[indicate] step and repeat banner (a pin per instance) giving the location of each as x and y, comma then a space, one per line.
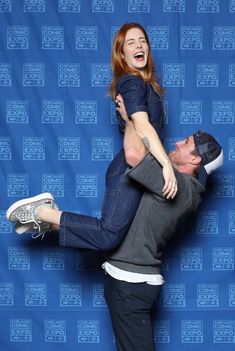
58, 134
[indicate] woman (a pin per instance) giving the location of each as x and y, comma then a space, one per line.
133, 71
133, 78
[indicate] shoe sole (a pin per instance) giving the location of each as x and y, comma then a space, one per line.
29, 200
23, 228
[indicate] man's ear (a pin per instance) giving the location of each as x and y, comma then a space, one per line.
196, 159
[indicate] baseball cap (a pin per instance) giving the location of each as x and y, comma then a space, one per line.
211, 154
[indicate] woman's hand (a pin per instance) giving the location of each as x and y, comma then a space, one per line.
120, 107
170, 187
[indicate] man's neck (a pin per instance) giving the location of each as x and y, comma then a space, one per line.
187, 169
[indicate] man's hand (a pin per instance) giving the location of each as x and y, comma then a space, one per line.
120, 107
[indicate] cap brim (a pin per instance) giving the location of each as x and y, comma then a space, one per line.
215, 164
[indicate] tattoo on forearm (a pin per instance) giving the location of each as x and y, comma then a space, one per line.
146, 143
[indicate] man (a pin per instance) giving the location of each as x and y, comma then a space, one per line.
133, 279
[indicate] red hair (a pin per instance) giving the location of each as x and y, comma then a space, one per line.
119, 65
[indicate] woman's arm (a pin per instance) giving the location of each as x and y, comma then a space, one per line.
134, 148
150, 137
151, 140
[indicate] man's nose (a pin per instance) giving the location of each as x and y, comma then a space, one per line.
178, 143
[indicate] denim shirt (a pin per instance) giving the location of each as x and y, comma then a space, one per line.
140, 96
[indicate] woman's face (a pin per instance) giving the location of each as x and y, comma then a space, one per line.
135, 49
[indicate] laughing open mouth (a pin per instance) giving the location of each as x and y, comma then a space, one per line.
139, 55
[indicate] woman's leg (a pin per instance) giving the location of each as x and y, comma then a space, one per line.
49, 215
121, 200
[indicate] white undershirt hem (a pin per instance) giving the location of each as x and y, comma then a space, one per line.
131, 277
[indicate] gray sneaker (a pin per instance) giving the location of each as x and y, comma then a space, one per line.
23, 212
35, 230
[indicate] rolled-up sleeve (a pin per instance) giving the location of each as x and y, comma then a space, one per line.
133, 91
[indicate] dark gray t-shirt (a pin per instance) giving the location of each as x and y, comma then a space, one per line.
156, 218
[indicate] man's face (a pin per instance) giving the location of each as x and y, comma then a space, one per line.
135, 49
184, 152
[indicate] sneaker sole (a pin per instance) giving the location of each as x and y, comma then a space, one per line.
23, 228
29, 200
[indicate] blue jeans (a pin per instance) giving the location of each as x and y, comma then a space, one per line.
121, 200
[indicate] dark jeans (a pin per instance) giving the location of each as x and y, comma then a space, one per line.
130, 306
121, 200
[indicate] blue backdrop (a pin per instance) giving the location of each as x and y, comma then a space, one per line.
58, 133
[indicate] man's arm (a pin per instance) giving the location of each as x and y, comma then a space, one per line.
149, 174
